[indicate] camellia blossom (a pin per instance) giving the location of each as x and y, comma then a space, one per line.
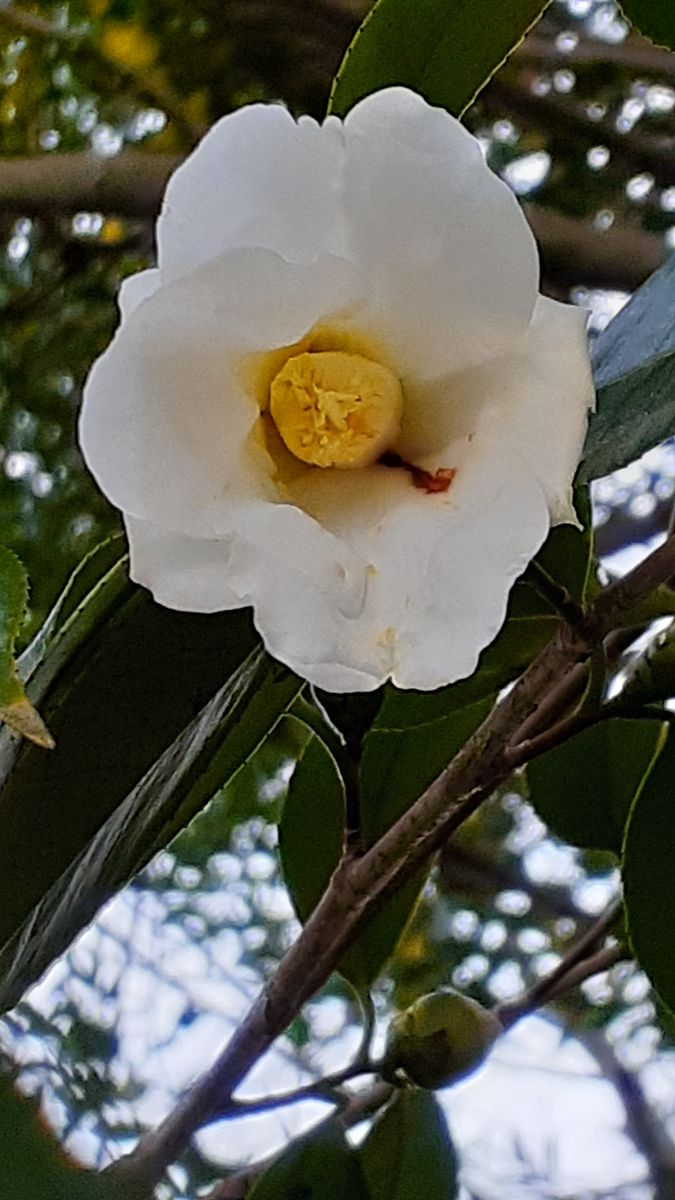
339, 397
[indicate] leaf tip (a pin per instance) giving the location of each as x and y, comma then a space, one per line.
25, 720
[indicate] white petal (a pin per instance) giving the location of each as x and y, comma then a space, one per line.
188, 574
136, 288
394, 583
258, 178
166, 423
439, 567
540, 398
451, 262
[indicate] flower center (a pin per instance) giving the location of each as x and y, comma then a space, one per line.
334, 409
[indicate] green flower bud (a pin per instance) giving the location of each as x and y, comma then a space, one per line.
441, 1038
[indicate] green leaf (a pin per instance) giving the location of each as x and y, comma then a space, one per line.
634, 370
191, 771
16, 709
114, 707
647, 870
408, 1153
567, 553
320, 1166
33, 1166
396, 767
445, 51
312, 825
99, 583
583, 789
654, 18
96, 589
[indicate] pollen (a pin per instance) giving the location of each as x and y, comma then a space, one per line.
334, 409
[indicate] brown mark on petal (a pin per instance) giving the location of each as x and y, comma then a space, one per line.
427, 481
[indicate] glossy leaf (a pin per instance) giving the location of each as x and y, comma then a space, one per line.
654, 18
312, 825
115, 707
396, 767
192, 770
634, 370
33, 1166
647, 869
96, 589
567, 553
16, 709
408, 1153
320, 1166
447, 52
584, 788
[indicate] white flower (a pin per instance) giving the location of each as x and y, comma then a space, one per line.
361, 295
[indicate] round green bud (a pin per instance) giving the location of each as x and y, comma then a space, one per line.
441, 1038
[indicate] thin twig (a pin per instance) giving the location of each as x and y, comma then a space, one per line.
358, 1107
565, 975
553, 593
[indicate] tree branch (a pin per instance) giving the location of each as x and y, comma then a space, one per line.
635, 53
28, 22
359, 886
579, 964
132, 184
566, 121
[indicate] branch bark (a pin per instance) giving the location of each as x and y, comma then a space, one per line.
133, 183
360, 885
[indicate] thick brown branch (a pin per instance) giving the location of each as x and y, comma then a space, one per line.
132, 185
635, 54
566, 122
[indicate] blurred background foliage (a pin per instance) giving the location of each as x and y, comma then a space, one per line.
98, 98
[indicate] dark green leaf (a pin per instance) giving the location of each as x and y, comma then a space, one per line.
567, 553
649, 894
99, 584
312, 825
114, 708
96, 589
396, 767
320, 1166
16, 709
192, 770
408, 1153
634, 370
32, 1166
445, 51
583, 789
654, 18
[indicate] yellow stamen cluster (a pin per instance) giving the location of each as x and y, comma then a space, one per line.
335, 409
